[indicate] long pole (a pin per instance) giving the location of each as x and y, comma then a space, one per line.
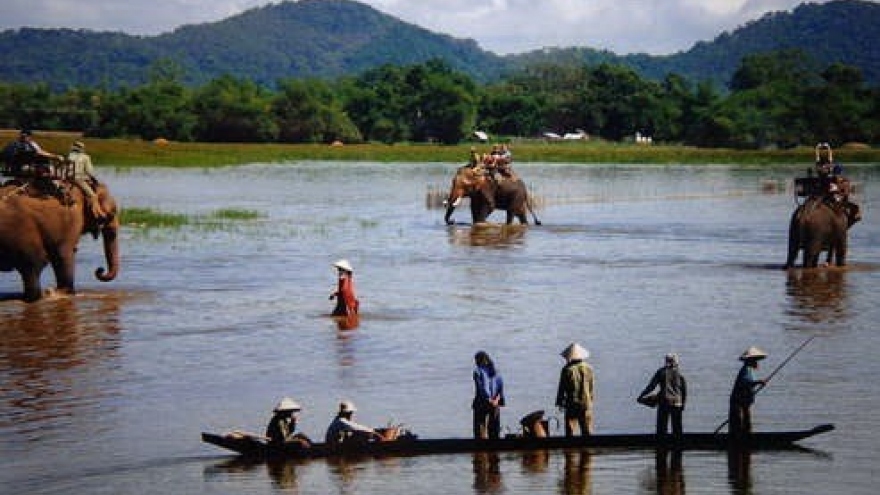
772, 374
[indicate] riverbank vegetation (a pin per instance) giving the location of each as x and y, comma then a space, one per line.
125, 153
774, 101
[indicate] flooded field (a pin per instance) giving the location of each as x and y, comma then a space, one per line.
209, 324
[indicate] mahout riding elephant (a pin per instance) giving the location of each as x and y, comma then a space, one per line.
817, 225
38, 229
488, 193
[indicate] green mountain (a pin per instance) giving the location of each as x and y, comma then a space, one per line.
307, 38
332, 38
843, 31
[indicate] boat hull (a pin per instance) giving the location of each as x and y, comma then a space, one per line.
251, 446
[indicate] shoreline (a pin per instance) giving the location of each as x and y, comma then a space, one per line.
161, 153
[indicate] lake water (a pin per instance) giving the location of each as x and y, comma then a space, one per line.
209, 325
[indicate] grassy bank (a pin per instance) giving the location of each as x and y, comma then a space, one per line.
132, 153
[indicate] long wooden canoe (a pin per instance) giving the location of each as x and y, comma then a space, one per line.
254, 446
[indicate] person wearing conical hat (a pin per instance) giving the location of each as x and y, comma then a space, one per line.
575, 393
347, 303
282, 427
344, 430
743, 394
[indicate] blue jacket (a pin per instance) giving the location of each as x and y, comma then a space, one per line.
488, 384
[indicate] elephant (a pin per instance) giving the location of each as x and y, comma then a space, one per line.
487, 193
820, 224
40, 227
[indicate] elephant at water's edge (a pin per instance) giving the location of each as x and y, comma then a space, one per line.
819, 225
38, 230
487, 194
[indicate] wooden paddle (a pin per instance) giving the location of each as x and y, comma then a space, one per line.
772, 374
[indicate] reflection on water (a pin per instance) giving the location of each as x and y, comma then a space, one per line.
817, 294
670, 472
487, 473
283, 475
536, 461
488, 234
577, 477
739, 463
51, 354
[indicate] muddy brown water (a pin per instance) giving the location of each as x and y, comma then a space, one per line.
209, 325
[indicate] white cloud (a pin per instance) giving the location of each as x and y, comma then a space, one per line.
503, 26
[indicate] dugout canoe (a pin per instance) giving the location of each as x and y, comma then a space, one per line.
256, 447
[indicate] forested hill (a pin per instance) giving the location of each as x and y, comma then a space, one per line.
307, 38
331, 38
844, 31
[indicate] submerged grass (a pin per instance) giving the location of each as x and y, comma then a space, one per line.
134, 152
147, 218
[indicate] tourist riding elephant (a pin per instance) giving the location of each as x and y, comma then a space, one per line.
38, 228
820, 224
487, 193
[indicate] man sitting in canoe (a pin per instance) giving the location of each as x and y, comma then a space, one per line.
344, 431
282, 427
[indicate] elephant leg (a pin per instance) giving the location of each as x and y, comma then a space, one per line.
510, 216
812, 250
840, 251
63, 266
794, 245
30, 280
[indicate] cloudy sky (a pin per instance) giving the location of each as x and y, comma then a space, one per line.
502, 26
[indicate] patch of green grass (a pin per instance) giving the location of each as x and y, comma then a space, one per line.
147, 217
235, 214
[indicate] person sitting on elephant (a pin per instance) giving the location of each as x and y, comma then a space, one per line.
24, 156
81, 172
833, 184
347, 302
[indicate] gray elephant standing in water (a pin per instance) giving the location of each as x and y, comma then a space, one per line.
820, 224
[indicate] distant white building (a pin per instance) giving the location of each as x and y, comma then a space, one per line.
573, 136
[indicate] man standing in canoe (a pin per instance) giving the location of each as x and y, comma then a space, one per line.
670, 398
743, 394
347, 303
574, 395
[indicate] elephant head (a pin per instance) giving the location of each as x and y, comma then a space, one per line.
468, 182
108, 226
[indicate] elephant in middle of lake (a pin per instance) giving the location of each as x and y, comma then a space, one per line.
821, 224
487, 193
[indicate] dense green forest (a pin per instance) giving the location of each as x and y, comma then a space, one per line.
337, 38
778, 99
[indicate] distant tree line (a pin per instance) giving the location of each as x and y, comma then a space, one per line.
777, 99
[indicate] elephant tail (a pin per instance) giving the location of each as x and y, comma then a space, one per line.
530, 207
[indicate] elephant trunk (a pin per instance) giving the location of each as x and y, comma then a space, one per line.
452, 201
111, 251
